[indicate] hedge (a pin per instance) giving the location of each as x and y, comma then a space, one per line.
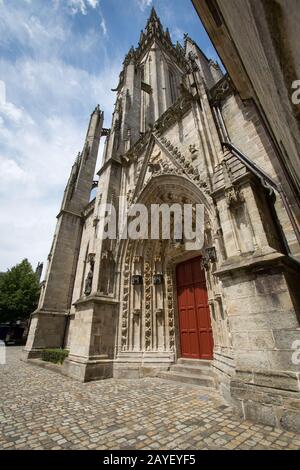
55, 355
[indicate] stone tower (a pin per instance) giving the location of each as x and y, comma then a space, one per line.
180, 134
48, 323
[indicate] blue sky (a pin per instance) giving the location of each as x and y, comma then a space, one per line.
58, 60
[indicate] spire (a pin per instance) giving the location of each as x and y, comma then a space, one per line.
153, 15
153, 24
154, 30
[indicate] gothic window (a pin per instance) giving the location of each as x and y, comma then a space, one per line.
143, 102
173, 90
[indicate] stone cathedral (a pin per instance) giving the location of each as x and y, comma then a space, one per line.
225, 316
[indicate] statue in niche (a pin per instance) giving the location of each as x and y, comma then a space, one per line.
89, 278
107, 272
193, 150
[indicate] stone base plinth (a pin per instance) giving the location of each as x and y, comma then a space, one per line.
271, 398
132, 365
224, 369
47, 330
87, 369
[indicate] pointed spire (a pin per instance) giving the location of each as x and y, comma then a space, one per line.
97, 109
167, 35
141, 36
153, 24
155, 30
153, 14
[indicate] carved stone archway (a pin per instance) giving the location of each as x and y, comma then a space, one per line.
148, 339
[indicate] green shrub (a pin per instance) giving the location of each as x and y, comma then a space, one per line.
55, 355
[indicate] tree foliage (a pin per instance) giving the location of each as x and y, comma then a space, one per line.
19, 292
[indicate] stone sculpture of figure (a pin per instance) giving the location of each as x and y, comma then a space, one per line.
89, 278
88, 283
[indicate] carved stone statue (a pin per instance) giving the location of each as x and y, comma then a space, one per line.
88, 283
89, 278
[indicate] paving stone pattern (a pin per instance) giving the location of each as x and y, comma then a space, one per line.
41, 409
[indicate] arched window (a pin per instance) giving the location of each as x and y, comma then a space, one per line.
173, 89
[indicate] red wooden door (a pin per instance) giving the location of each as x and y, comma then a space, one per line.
194, 317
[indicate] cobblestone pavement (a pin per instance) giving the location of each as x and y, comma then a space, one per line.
40, 409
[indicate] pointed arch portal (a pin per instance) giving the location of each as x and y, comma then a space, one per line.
164, 307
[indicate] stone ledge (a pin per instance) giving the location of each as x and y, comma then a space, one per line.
278, 380
52, 312
101, 299
254, 261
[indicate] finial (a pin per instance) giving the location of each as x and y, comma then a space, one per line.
97, 109
153, 12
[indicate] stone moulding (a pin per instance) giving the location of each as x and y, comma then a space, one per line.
174, 113
101, 299
147, 276
166, 120
253, 261
124, 314
170, 308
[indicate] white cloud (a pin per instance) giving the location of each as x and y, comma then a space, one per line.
93, 3
23, 27
143, 4
177, 34
11, 173
38, 151
82, 5
45, 103
2, 92
9, 110
103, 25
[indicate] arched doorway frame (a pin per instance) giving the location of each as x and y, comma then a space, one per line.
157, 190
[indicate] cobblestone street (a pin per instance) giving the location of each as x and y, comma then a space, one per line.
44, 410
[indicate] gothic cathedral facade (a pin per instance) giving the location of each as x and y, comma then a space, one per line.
125, 308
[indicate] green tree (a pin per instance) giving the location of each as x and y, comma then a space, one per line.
19, 292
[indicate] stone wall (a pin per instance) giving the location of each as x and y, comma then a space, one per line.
256, 40
248, 134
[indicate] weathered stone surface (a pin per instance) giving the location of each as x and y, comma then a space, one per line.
291, 421
285, 338
259, 413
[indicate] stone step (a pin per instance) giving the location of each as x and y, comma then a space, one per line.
201, 363
187, 369
193, 379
